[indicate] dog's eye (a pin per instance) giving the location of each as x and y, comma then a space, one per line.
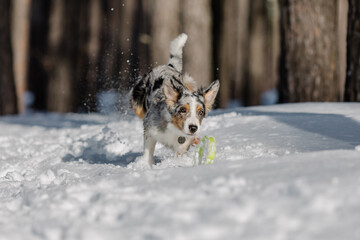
201, 112
182, 110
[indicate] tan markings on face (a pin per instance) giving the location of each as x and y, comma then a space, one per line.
140, 111
179, 118
200, 116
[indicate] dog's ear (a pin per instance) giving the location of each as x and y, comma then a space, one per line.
172, 91
210, 94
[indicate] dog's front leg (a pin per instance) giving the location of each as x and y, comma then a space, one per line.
149, 147
183, 148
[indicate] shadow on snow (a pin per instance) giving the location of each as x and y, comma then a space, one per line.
339, 131
121, 160
54, 120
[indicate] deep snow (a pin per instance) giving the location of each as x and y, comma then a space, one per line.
281, 172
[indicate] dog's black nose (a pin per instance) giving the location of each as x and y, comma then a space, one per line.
193, 128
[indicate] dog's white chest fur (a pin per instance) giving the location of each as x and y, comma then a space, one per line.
170, 138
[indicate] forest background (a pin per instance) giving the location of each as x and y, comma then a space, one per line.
76, 56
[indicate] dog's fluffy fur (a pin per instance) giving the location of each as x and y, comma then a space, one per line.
171, 104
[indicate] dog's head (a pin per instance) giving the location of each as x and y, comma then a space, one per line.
188, 107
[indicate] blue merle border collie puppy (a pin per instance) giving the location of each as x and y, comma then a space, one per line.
171, 104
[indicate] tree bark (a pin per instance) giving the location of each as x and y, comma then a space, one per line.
309, 51
20, 41
90, 85
8, 102
37, 78
117, 57
164, 28
198, 49
273, 48
60, 89
257, 75
128, 23
342, 33
142, 39
67, 38
233, 49
352, 88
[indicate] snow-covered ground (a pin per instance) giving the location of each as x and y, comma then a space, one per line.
281, 172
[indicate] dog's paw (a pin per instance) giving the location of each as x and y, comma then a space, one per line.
195, 141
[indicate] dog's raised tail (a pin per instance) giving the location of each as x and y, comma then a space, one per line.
176, 52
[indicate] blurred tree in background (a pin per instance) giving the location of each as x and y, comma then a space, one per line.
352, 89
67, 55
309, 70
8, 101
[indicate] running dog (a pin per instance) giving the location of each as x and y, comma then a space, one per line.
171, 104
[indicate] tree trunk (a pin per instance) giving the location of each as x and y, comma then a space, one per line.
20, 42
352, 88
39, 61
142, 42
272, 51
263, 53
309, 51
118, 35
198, 50
68, 35
342, 33
87, 47
164, 28
233, 49
127, 37
110, 47
90, 85
257, 75
8, 102
60, 86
